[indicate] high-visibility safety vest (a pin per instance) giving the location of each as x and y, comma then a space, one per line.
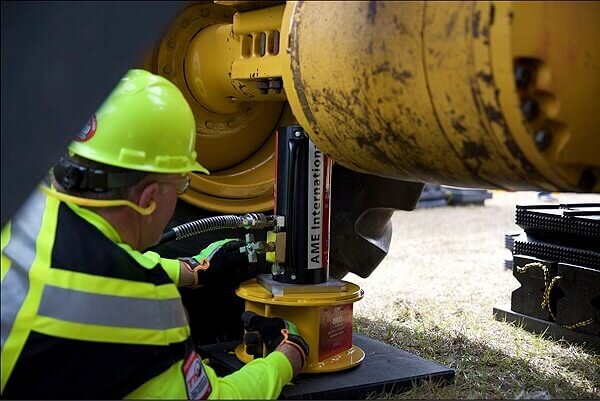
85, 316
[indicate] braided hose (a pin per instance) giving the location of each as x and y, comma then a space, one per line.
249, 221
201, 226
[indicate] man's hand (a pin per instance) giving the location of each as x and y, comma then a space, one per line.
219, 264
277, 334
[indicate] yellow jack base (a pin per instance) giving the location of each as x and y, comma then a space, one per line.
344, 360
323, 318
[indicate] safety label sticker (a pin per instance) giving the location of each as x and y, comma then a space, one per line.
335, 330
196, 381
88, 130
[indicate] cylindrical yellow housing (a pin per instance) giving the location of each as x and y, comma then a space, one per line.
437, 92
324, 320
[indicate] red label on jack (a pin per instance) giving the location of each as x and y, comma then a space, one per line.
335, 330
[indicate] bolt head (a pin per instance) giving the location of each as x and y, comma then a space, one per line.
543, 138
522, 75
530, 109
275, 84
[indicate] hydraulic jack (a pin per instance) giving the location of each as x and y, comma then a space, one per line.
299, 288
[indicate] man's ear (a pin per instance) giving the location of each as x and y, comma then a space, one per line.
149, 193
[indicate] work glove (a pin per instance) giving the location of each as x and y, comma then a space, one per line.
220, 264
272, 332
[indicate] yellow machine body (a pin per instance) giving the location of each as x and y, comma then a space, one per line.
324, 320
484, 94
393, 86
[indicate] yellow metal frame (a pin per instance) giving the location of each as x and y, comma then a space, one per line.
237, 143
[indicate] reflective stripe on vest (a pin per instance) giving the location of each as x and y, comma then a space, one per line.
109, 285
52, 320
25, 229
106, 310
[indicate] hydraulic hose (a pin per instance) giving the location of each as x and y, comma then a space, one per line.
248, 221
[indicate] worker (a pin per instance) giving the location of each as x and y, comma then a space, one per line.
85, 314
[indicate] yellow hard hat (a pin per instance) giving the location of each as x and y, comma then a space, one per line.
145, 124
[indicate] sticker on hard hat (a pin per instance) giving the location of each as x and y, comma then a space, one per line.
88, 130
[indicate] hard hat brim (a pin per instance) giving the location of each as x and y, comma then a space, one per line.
198, 168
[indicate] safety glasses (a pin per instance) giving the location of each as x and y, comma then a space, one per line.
181, 185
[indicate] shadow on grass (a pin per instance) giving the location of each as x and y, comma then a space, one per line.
481, 371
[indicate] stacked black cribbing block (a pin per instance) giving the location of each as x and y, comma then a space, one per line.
571, 221
580, 297
557, 263
467, 196
528, 298
441, 195
432, 196
509, 243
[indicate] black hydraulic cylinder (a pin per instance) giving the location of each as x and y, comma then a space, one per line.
302, 196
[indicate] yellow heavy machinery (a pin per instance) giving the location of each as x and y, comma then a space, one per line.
489, 94
482, 94
485, 94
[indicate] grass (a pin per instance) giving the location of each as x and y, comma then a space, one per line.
433, 296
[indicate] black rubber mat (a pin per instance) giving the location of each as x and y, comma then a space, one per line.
385, 368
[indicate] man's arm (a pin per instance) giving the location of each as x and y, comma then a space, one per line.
262, 378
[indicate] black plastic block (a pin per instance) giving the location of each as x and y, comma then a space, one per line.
556, 250
528, 298
465, 196
509, 240
580, 222
546, 329
580, 301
